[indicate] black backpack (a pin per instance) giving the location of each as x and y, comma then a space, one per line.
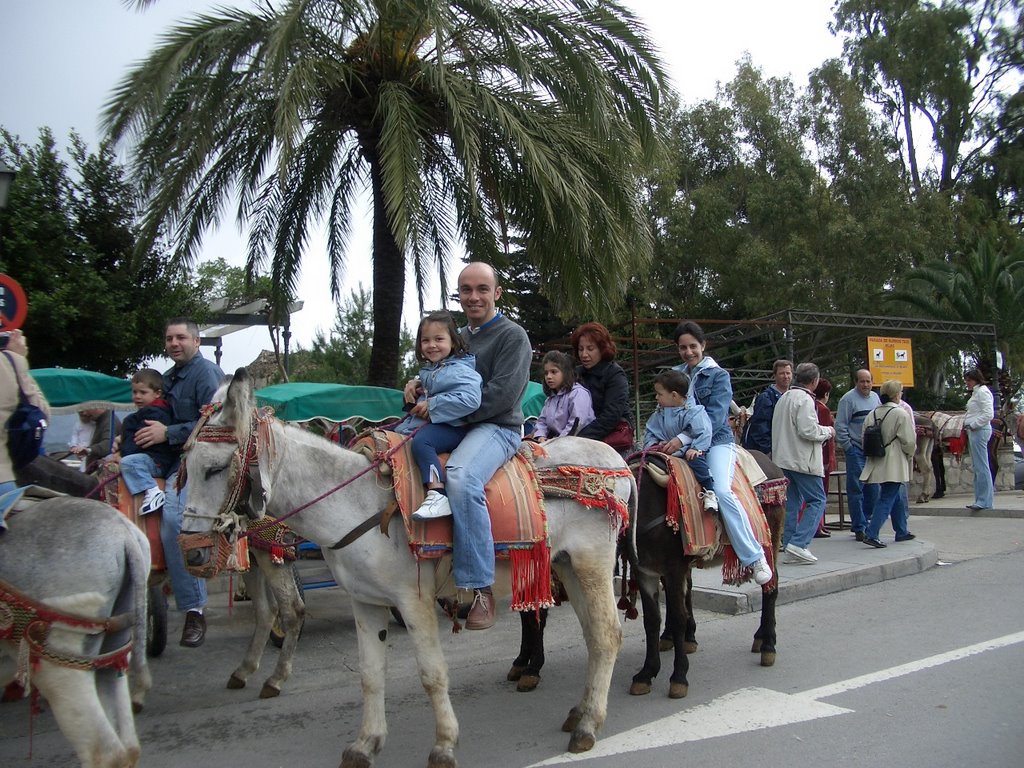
874, 444
25, 427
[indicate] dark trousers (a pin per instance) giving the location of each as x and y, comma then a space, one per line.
431, 440
702, 471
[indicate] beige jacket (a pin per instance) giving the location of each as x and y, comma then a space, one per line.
901, 440
796, 434
9, 401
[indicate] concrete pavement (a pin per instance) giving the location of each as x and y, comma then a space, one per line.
946, 532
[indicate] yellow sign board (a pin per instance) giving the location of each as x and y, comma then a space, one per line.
889, 359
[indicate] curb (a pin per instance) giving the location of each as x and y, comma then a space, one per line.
793, 587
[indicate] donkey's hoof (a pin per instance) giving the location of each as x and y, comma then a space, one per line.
136, 707
572, 720
514, 673
768, 658
581, 741
528, 683
755, 647
442, 757
678, 690
235, 682
664, 644
690, 646
352, 758
269, 691
639, 688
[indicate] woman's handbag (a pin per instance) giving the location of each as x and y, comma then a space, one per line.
621, 436
25, 427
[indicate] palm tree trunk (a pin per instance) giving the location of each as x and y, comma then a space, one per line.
388, 291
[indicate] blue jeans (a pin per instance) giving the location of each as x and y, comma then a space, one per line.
722, 460
860, 498
888, 505
482, 451
189, 591
138, 471
431, 440
983, 490
803, 488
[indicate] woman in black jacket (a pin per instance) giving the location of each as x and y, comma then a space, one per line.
607, 384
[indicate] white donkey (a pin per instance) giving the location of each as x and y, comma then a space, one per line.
89, 564
292, 467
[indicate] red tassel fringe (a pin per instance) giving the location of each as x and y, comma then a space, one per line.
531, 577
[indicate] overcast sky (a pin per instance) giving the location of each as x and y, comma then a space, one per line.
62, 58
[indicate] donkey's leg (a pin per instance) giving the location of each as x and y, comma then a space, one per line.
372, 634
691, 622
80, 715
924, 464
421, 621
589, 585
649, 587
528, 627
263, 609
766, 630
675, 608
764, 637
112, 688
291, 610
527, 665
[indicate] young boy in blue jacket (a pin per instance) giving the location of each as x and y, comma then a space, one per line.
680, 430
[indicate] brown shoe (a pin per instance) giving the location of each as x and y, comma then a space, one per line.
194, 633
481, 613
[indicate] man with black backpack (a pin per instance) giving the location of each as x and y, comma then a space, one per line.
854, 406
889, 442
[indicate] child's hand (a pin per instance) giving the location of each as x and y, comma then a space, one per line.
671, 446
692, 454
421, 409
413, 389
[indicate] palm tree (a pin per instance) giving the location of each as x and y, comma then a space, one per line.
470, 121
985, 285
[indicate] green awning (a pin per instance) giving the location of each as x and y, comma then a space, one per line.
533, 400
303, 401
69, 389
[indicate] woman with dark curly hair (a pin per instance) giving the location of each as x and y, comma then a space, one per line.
607, 384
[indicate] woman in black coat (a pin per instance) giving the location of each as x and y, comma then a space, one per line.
608, 386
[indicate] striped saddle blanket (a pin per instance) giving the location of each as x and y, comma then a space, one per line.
519, 524
704, 536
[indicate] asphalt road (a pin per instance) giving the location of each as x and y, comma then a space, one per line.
919, 671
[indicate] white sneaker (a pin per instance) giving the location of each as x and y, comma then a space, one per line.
762, 573
434, 506
710, 501
801, 554
154, 500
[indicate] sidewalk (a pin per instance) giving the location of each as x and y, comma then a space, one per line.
946, 532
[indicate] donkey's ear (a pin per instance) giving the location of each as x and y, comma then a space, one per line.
239, 399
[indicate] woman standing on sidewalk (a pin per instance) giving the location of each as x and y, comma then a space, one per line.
893, 469
978, 423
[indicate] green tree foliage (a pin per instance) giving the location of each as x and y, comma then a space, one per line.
776, 199
342, 355
68, 236
466, 120
948, 64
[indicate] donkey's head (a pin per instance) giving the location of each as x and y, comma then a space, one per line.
220, 458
